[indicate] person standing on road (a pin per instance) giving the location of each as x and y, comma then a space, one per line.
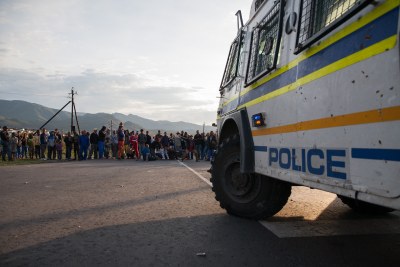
142, 140
30, 143
59, 148
158, 136
198, 145
205, 149
114, 144
127, 145
51, 146
212, 145
154, 147
148, 138
5, 143
184, 145
13, 146
43, 144
57, 136
121, 141
193, 154
68, 140
36, 141
83, 145
24, 145
180, 150
164, 146
76, 145
18, 148
107, 144
133, 139
94, 140
101, 141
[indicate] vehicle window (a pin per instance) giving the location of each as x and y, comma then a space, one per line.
231, 68
318, 17
265, 45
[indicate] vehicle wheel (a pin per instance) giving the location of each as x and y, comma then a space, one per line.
364, 207
252, 196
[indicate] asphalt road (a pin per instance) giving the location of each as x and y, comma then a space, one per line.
163, 213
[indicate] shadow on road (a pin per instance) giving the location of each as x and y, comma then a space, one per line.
225, 240
56, 216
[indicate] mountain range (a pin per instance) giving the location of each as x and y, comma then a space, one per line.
25, 115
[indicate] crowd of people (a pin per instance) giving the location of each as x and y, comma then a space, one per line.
106, 144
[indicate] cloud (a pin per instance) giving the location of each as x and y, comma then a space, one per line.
160, 59
102, 92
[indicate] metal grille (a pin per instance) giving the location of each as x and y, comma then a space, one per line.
231, 67
264, 45
318, 16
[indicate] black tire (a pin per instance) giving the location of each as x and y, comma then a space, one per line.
364, 207
252, 196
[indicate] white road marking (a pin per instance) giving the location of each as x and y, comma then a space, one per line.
198, 174
311, 226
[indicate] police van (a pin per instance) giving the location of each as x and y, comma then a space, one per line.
310, 96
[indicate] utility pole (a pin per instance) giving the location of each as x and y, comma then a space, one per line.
72, 110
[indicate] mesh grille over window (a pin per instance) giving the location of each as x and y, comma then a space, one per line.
319, 16
265, 45
232, 65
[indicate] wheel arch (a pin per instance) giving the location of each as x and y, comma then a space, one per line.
238, 123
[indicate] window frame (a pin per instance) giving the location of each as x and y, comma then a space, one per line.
239, 43
313, 38
266, 19
258, 4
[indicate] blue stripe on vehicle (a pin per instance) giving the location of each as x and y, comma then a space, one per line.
376, 154
230, 106
372, 33
280, 81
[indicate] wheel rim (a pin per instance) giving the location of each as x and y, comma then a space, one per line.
242, 188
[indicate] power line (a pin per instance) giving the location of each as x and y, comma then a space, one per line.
8, 93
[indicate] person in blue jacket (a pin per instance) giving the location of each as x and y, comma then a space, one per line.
83, 145
145, 152
51, 146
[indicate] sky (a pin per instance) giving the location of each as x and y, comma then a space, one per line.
158, 59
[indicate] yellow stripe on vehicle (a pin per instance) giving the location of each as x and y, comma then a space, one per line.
368, 18
371, 51
366, 117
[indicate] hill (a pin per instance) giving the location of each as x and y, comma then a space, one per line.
21, 114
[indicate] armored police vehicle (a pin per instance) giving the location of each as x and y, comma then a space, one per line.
310, 96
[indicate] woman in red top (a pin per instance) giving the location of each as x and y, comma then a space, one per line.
121, 139
133, 139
